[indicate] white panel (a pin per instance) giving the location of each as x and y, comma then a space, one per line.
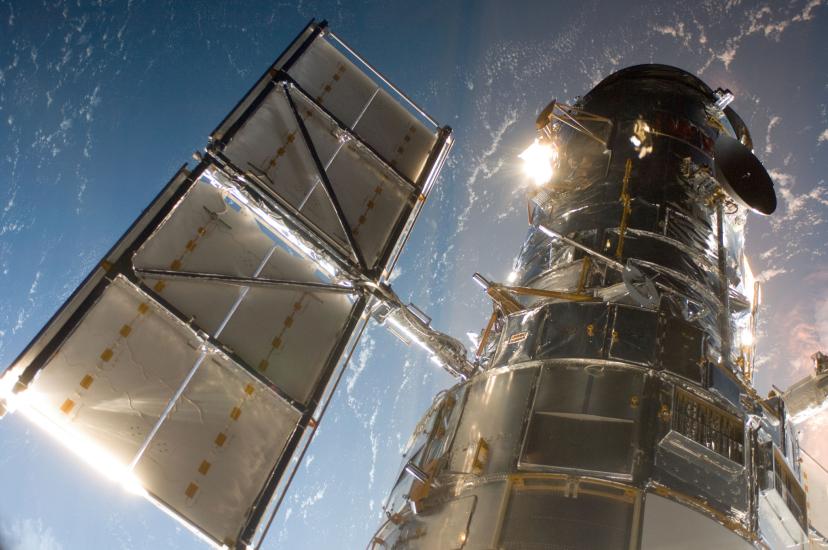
98, 274
288, 335
262, 83
207, 232
815, 481
214, 452
333, 81
401, 139
671, 526
372, 199
206, 303
115, 374
285, 333
210, 233
357, 101
270, 146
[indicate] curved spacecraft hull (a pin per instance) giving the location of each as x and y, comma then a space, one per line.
613, 407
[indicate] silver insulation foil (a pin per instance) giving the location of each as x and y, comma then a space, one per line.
613, 406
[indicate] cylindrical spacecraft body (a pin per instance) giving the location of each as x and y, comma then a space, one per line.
613, 407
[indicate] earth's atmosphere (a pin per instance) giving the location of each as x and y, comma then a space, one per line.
100, 102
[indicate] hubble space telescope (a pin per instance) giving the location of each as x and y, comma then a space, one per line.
609, 403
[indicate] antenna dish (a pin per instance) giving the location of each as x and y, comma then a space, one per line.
743, 176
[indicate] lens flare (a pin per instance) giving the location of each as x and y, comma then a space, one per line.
33, 406
539, 160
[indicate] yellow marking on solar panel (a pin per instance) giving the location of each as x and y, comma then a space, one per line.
291, 136
107, 354
368, 206
159, 286
191, 490
143, 308
248, 389
86, 381
176, 264
67, 406
204, 467
220, 439
235, 413
125, 331
277, 342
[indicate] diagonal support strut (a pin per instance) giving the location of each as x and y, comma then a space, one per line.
243, 281
326, 182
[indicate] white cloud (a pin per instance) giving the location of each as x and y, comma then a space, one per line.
769, 274
823, 136
310, 500
774, 121
28, 534
807, 14
679, 32
366, 350
803, 210
807, 334
483, 165
767, 21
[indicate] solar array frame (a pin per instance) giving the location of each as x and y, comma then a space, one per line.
121, 268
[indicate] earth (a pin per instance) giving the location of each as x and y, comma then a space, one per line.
100, 103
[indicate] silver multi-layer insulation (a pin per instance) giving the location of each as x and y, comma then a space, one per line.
613, 406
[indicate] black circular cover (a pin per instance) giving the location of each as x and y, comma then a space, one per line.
656, 71
743, 176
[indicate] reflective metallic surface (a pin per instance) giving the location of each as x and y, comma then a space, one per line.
613, 407
609, 404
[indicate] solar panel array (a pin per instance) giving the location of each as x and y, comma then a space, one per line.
196, 359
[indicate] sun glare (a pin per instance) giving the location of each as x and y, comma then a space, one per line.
538, 161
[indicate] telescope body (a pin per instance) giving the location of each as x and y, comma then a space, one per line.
614, 408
